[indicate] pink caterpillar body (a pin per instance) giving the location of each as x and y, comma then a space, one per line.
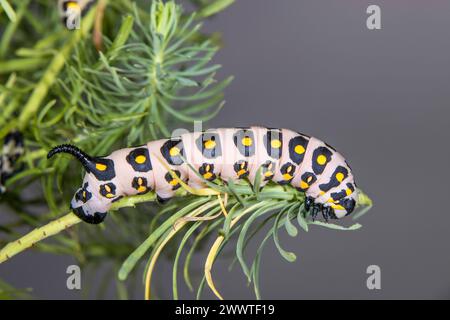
284, 156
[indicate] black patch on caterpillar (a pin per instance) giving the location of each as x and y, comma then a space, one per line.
297, 149
207, 171
95, 218
343, 193
308, 178
139, 159
241, 169
244, 140
64, 22
102, 169
83, 195
14, 137
267, 170
287, 170
348, 204
140, 184
176, 145
161, 200
209, 145
317, 156
351, 187
334, 182
173, 182
108, 190
273, 141
338, 195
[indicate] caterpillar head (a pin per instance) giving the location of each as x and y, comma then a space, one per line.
88, 203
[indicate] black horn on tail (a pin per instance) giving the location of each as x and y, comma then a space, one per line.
84, 158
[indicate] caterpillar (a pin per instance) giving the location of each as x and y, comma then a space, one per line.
71, 10
13, 148
279, 155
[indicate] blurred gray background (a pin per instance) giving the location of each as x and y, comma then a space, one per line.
381, 98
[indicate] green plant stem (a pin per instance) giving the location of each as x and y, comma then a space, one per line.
214, 7
25, 64
9, 85
9, 32
4, 5
40, 91
61, 224
13, 103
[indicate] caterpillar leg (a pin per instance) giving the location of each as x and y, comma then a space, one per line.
315, 208
161, 200
314, 212
309, 201
328, 213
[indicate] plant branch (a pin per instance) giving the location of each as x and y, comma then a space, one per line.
50, 75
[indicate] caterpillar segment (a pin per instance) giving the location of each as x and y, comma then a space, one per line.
13, 149
73, 9
279, 155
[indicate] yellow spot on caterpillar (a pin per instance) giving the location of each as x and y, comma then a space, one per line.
140, 159
173, 182
321, 193
208, 167
287, 176
337, 206
268, 174
140, 182
84, 195
241, 172
73, 5
109, 195
246, 141
210, 144
275, 143
289, 169
339, 176
330, 200
321, 159
141, 188
174, 151
207, 175
107, 188
101, 166
348, 191
299, 149
242, 165
309, 179
304, 185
